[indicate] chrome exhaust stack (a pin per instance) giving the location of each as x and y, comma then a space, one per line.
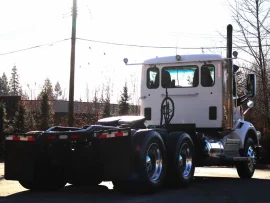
228, 84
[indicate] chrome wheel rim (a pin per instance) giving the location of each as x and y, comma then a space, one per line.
153, 162
251, 159
185, 160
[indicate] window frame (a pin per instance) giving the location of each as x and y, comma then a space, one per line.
214, 79
148, 77
179, 67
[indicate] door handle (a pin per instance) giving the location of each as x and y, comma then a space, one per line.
143, 97
194, 94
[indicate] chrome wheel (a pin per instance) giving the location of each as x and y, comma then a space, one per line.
251, 159
185, 160
245, 169
153, 162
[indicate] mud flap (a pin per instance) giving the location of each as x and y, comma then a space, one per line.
258, 150
19, 159
116, 157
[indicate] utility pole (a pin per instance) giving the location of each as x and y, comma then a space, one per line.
72, 66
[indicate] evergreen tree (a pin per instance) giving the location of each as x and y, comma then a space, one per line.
19, 119
4, 88
7, 124
2, 127
48, 89
58, 90
123, 103
14, 84
46, 112
2, 117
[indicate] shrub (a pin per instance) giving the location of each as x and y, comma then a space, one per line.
19, 123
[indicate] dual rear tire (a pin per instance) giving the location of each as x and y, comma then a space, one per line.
150, 169
158, 164
181, 156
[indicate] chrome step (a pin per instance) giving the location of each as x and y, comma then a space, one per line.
240, 158
235, 158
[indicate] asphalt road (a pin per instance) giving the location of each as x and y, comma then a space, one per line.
220, 185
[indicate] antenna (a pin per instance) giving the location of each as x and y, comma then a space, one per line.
176, 47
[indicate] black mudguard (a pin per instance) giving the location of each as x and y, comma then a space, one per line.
116, 157
25, 160
20, 158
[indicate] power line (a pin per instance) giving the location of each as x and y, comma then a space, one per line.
211, 36
34, 47
136, 45
123, 44
130, 45
161, 47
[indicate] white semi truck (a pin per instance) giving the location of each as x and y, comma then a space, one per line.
190, 116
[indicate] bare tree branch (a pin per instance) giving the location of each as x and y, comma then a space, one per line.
252, 19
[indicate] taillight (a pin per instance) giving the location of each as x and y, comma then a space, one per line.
31, 139
51, 137
16, 138
102, 136
75, 136
119, 134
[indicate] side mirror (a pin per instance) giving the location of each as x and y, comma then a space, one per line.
250, 104
251, 85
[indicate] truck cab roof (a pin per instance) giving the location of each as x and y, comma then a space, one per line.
184, 58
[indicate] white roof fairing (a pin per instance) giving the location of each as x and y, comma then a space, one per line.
184, 58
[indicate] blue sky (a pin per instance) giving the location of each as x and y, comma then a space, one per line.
28, 23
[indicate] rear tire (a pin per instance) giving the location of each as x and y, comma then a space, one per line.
42, 184
181, 166
49, 178
150, 168
246, 169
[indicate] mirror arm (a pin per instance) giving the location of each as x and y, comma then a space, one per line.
246, 111
243, 115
